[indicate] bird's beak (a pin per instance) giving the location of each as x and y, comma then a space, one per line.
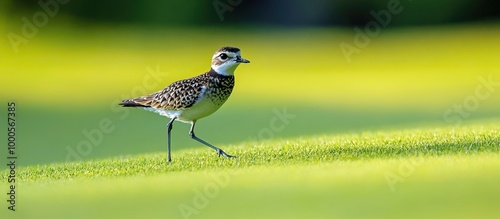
241, 60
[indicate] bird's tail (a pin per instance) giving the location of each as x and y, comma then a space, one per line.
137, 102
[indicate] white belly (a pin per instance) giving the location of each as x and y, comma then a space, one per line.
199, 110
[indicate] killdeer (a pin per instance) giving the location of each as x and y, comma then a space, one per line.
191, 99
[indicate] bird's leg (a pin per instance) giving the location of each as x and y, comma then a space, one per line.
218, 150
169, 128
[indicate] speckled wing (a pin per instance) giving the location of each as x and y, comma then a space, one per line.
178, 96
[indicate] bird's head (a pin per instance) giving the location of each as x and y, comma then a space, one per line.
226, 59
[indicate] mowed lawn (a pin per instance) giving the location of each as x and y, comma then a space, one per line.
408, 128
418, 173
66, 82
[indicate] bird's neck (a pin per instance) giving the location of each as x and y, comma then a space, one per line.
224, 69
217, 74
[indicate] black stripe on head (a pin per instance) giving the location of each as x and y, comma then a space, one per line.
228, 49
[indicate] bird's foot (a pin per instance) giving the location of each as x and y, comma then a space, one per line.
221, 152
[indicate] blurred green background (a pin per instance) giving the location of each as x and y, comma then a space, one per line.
67, 64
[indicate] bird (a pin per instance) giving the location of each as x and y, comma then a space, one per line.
194, 98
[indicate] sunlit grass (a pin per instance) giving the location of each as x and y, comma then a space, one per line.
390, 174
367, 146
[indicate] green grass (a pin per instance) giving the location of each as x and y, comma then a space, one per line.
66, 80
48, 133
294, 151
428, 172
325, 163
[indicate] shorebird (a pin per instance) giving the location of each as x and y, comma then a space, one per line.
191, 99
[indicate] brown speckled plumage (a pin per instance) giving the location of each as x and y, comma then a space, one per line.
191, 99
185, 93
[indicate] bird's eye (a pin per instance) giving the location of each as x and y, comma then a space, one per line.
223, 56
